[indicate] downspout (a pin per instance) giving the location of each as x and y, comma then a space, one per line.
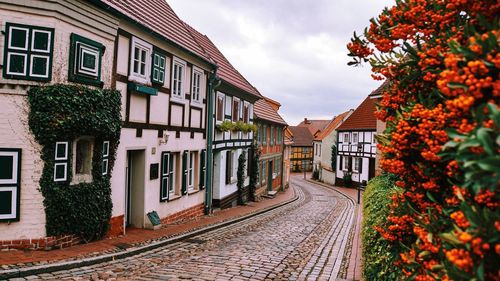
213, 82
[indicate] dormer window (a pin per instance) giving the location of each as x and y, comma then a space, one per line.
140, 63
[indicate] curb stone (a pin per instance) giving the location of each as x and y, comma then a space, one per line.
39, 269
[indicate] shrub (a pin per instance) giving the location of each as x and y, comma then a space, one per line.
379, 255
315, 174
240, 174
441, 105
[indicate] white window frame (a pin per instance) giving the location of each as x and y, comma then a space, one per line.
346, 137
15, 163
191, 169
65, 157
196, 88
46, 66
172, 173
178, 89
137, 76
345, 163
27, 39
357, 164
25, 64
354, 137
82, 178
223, 109
237, 118
33, 41
13, 211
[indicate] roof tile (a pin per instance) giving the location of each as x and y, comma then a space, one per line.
301, 136
362, 118
264, 110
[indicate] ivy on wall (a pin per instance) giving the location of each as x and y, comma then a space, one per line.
65, 113
254, 168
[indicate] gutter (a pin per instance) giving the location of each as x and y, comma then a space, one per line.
213, 82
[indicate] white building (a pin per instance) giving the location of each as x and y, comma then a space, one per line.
356, 145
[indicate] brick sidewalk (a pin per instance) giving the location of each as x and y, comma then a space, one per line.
135, 237
354, 270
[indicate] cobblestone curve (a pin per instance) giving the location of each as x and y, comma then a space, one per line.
304, 240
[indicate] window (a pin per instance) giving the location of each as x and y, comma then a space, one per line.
354, 137
246, 113
185, 159
319, 149
346, 163
82, 160
167, 175
61, 158
191, 169
236, 110
105, 157
158, 76
85, 60
10, 183
346, 137
358, 164
28, 52
229, 167
203, 168
264, 135
220, 108
271, 135
179, 68
140, 63
196, 85
263, 173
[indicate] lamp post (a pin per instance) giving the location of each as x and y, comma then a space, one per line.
304, 167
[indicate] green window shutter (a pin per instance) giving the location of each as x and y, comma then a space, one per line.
28, 52
158, 68
184, 172
10, 184
61, 161
85, 59
105, 158
341, 162
164, 179
203, 168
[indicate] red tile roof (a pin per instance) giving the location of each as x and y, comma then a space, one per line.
333, 125
264, 110
225, 70
362, 118
314, 125
159, 17
301, 136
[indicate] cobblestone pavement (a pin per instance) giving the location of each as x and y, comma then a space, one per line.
309, 239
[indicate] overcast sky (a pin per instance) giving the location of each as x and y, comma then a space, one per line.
293, 51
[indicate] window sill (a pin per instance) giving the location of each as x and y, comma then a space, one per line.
177, 98
140, 80
193, 191
195, 103
174, 197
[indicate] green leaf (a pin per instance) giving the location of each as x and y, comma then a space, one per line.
491, 164
485, 140
456, 85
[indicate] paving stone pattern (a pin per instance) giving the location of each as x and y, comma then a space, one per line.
309, 239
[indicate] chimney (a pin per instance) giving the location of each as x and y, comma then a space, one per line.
305, 121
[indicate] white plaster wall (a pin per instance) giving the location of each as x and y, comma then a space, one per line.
195, 118
159, 109
65, 17
122, 58
16, 134
149, 142
176, 116
328, 176
326, 149
138, 107
221, 189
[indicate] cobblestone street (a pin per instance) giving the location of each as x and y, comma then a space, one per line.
309, 239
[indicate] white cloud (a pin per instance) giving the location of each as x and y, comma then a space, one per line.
291, 50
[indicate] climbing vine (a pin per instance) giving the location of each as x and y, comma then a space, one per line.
63, 113
254, 168
240, 174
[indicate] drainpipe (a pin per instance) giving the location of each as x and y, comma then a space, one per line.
283, 159
213, 83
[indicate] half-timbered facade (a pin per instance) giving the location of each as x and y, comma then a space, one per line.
270, 143
233, 108
323, 144
356, 145
302, 149
162, 73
